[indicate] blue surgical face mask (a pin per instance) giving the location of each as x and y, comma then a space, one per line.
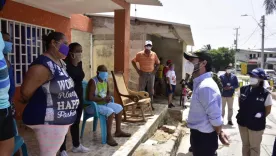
8, 47
103, 75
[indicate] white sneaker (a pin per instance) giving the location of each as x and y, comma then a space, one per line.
80, 149
63, 153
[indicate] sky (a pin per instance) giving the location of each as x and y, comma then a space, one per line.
213, 21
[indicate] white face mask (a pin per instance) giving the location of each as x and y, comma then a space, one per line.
190, 65
228, 71
148, 47
253, 81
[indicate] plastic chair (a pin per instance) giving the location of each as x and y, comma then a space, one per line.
95, 114
19, 142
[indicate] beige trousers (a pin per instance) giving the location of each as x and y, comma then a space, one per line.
229, 101
251, 141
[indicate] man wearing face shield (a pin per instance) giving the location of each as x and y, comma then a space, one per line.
204, 119
254, 106
230, 83
149, 64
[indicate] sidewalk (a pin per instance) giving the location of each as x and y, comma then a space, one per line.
235, 147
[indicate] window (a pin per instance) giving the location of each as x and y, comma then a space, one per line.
270, 55
250, 56
27, 45
258, 54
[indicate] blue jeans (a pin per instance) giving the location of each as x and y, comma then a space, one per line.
274, 148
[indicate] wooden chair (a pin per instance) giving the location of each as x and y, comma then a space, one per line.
137, 101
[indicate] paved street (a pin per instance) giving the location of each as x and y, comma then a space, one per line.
236, 146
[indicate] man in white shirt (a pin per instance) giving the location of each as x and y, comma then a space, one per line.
266, 85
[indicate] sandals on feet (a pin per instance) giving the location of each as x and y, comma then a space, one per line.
112, 143
122, 134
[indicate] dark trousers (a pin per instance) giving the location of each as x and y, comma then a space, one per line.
274, 148
74, 130
204, 144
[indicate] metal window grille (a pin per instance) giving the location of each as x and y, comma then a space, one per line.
27, 45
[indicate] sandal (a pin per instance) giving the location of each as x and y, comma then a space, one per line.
122, 134
112, 143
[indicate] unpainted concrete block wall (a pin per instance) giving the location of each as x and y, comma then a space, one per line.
170, 49
84, 39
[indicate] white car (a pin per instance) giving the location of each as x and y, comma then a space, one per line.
270, 72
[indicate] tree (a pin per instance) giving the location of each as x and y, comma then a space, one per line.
270, 6
222, 57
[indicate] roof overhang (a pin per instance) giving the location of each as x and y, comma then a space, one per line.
145, 2
68, 7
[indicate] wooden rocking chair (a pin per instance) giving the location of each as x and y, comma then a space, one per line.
137, 101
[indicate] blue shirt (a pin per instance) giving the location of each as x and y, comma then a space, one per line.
231, 81
12, 84
4, 78
205, 110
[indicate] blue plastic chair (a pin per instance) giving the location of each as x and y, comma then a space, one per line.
19, 142
95, 114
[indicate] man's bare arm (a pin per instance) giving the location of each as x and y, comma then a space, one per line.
135, 66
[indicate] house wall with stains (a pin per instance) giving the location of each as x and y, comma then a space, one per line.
103, 43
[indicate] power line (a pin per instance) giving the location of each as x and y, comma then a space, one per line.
272, 34
253, 8
251, 35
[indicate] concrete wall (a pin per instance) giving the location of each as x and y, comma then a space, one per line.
84, 39
103, 45
170, 49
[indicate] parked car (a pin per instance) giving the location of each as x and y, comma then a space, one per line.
271, 75
270, 72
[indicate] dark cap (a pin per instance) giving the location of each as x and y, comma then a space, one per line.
201, 54
229, 67
258, 72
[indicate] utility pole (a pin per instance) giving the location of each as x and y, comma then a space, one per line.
263, 35
236, 48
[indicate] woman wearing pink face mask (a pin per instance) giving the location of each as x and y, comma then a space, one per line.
171, 81
49, 94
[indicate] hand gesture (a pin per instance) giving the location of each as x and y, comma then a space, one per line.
224, 138
107, 99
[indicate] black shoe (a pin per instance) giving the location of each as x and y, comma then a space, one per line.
230, 123
190, 149
171, 105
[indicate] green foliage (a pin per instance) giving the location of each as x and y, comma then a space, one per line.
222, 57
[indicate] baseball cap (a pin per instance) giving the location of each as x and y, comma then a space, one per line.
259, 72
169, 61
202, 54
148, 42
